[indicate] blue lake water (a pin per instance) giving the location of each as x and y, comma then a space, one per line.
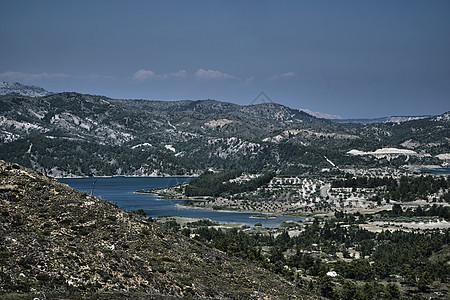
121, 191
440, 171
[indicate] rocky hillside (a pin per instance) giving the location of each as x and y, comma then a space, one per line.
74, 134
56, 242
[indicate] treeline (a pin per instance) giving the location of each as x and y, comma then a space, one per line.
89, 159
433, 211
406, 188
217, 184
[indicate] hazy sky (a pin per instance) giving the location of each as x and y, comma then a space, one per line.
351, 58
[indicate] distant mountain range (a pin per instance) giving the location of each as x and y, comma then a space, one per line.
321, 115
35, 91
393, 119
75, 134
22, 89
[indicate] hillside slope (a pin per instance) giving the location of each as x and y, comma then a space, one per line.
56, 242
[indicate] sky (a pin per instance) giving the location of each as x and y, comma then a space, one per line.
355, 59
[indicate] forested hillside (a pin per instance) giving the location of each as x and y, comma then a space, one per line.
75, 134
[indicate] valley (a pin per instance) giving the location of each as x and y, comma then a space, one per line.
376, 225
225, 150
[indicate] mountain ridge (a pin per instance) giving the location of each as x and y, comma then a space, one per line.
36, 91
83, 135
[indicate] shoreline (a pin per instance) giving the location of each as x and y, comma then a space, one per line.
256, 213
161, 196
272, 215
124, 176
242, 212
